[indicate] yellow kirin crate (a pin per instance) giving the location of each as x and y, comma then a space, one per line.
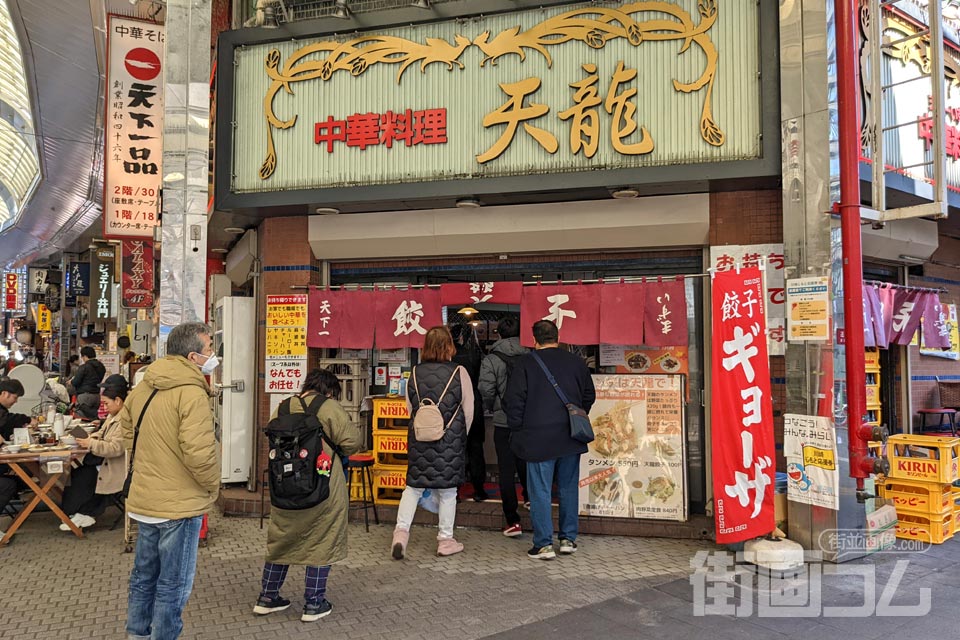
390, 447
917, 497
924, 458
388, 483
390, 413
926, 528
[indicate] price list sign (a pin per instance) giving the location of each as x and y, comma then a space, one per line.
286, 343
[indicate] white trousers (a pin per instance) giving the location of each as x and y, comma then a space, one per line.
448, 509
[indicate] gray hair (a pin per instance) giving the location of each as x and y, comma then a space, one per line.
184, 339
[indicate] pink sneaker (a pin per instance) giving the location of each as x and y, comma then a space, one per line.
400, 538
448, 547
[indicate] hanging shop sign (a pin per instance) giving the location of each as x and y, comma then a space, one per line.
44, 319
550, 90
103, 260
726, 257
136, 288
480, 293
36, 280
79, 279
133, 128
810, 447
949, 326
808, 309
742, 410
403, 317
286, 343
642, 359
635, 466
574, 308
892, 315
11, 291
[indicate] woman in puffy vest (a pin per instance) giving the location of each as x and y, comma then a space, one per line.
438, 466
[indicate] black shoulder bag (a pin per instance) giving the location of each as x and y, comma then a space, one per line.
136, 434
580, 428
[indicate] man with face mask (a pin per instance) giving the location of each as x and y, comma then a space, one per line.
175, 479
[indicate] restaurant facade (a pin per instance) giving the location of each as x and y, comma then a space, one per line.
551, 154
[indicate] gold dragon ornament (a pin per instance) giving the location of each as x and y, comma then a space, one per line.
594, 26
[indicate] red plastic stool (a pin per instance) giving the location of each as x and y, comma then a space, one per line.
945, 414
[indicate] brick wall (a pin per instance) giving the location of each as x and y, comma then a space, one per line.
923, 392
754, 217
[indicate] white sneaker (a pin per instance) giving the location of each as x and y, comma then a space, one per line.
84, 521
73, 519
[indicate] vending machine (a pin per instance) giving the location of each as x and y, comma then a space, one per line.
234, 342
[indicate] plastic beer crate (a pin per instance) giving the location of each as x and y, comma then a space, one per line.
388, 483
924, 458
910, 496
926, 528
390, 447
390, 413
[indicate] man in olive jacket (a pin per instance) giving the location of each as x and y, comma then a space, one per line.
175, 479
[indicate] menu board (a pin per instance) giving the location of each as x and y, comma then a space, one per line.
286, 343
635, 466
643, 359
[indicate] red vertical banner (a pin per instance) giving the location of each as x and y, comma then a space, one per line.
136, 284
907, 309
575, 309
665, 314
741, 409
357, 319
324, 318
936, 330
869, 335
403, 317
621, 313
886, 295
873, 312
11, 291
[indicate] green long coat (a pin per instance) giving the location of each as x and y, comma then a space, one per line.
317, 536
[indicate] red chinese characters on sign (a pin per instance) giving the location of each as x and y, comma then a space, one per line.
952, 134
404, 317
480, 292
742, 410
665, 314
11, 291
324, 318
362, 130
575, 309
137, 281
621, 313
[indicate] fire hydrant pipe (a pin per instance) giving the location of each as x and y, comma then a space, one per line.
849, 145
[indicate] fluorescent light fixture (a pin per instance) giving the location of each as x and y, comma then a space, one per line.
912, 259
326, 211
468, 203
624, 193
233, 230
219, 250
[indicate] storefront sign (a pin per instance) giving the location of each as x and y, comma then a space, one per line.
11, 291
726, 257
37, 280
743, 445
808, 304
617, 325
137, 281
574, 308
286, 343
403, 317
553, 90
665, 314
642, 359
103, 262
950, 326
44, 319
134, 128
78, 279
480, 292
810, 447
634, 467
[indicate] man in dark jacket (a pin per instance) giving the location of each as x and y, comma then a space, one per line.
468, 356
505, 355
10, 391
540, 427
86, 384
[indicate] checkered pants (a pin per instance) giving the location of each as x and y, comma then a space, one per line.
316, 582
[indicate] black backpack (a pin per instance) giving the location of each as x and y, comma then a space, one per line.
299, 469
510, 361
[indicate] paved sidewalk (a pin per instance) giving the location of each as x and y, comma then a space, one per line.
56, 586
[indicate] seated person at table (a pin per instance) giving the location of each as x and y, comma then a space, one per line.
10, 392
103, 470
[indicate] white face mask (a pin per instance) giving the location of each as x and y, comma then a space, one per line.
210, 366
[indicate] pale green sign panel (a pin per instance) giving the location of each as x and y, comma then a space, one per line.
545, 91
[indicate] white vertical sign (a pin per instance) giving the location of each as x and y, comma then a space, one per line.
133, 128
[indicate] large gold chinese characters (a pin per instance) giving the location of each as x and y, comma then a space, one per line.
594, 26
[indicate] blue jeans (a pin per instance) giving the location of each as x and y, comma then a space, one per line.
539, 483
162, 578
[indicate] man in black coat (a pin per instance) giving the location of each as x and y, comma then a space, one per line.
540, 425
10, 391
86, 384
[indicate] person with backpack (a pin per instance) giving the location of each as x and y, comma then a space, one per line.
495, 371
440, 402
308, 436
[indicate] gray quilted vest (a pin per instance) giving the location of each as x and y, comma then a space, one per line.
440, 464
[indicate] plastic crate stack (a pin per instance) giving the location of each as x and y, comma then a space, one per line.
872, 368
390, 422
923, 470
354, 377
